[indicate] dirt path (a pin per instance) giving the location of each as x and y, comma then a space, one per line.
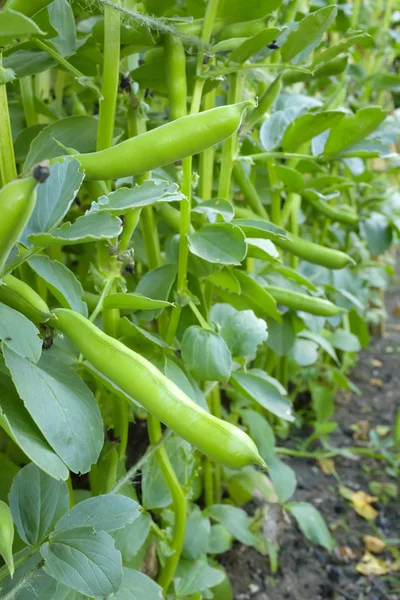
307, 572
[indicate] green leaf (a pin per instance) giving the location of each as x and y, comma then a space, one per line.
220, 540
217, 207
254, 44
37, 502
354, 129
192, 577
292, 180
362, 39
305, 127
88, 228
54, 198
321, 341
345, 340
264, 249
257, 388
17, 422
258, 228
85, 561
377, 232
223, 244
19, 334
235, 10
257, 297
305, 352
146, 194
206, 355
62, 20
138, 586
108, 512
197, 534
14, 25
155, 490
283, 477
243, 332
311, 523
273, 129
67, 414
78, 132
131, 538
61, 282
261, 432
6, 75
323, 403
133, 302
281, 336
226, 280
28, 62
308, 34
235, 520
156, 284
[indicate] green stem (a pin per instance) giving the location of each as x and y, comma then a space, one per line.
291, 11
208, 481
208, 24
19, 559
274, 192
60, 59
59, 85
356, 13
236, 83
150, 236
249, 190
294, 224
8, 170
237, 68
206, 163
178, 501
216, 411
387, 18
109, 89
27, 97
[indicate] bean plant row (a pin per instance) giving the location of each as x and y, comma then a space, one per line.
198, 204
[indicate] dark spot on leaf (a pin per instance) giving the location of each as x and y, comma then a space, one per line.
41, 173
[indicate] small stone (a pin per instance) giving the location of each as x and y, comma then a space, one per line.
254, 588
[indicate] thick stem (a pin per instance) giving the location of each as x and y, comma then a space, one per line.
206, 163
216, 411
209, 18
27, 97
8, 170
178, 501
274, 192
109, 87
294, 224
356, 13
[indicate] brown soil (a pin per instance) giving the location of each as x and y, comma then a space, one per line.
307, 572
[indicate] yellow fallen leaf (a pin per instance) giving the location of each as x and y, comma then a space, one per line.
376, 363
376, 382
360, 501
370, 565
362, 505
326, 465
373, 544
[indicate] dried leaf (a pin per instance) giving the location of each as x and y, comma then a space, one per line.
376, 363
396, 310
382, 430
370, 565
373, 544
376, 382
360, 501
327, 465
346, 553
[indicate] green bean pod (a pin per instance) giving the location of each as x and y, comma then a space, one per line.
20, 296
6, 536
314, 253
164, 145
139, 379
17, 201
304, 302
344, 215
28, 7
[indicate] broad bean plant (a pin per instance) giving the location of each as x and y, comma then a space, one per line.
197, 208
